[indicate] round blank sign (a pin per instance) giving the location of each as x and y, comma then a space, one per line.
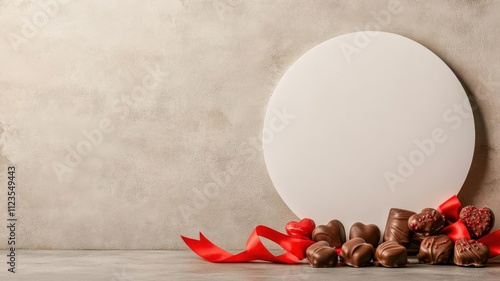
365, 122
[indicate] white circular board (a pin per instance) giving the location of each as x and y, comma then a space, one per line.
365, 122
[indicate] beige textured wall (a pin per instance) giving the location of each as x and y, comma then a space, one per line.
178, 91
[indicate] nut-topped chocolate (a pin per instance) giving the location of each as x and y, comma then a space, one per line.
390, 254
426, 222
320, 254
436, 250
478, 221
356, 252
469, 252
396, 228
333, 233
370, 233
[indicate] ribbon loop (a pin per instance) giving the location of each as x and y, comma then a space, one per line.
450, 209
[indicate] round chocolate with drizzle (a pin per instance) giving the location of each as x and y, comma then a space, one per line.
478, 221
426, 222
436, 250
390, 254
469, 252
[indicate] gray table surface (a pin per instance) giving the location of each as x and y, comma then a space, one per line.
127, 265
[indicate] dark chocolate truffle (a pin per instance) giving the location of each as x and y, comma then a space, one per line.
320, 254
478, 221
356, 252
396, 228
370, 233
426, 222
436, 250
333, 233
390, 254
469, 252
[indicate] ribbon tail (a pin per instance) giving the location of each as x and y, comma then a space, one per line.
206, 249
492, 240
255, 250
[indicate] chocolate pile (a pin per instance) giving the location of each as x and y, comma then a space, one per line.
404, 230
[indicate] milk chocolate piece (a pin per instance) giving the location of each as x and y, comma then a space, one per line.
320, 254
333, 233
469, 252
426, 222
396, 228
436, 250
370, 233
356, 252
478, 221
390, 254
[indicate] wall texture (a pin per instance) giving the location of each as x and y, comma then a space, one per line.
132, 122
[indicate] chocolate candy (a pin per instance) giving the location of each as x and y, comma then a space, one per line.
370, 233
320, 254
436, 250
396, 228
469, 252
390, 254
356, 252
303, 228
426, 222
478, 221
333, 233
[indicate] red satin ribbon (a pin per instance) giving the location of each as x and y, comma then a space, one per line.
451, 211
295, 248
456, 231
492, 240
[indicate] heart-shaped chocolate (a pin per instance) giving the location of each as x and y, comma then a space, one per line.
370, 233
390, 254
426, 222
469, 252
333, 233
356, 252
320, 254
478, 221
436, 250
301, 229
